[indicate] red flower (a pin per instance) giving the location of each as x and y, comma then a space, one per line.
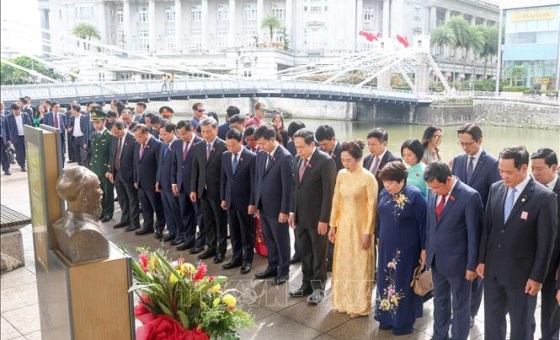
163, 327
200, 272
211, 278
199, 334
143, 261
241, 159
141, 312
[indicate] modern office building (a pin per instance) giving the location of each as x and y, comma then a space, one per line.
531, 43
226, 35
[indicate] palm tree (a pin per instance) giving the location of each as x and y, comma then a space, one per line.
474, 43
86, 31
490, 47
460, 28
271, 22
442, 36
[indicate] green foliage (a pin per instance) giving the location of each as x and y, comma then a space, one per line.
515, 89
285, 38
271, 22
12, 76
86, 31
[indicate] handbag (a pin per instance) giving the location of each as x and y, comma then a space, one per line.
422, 282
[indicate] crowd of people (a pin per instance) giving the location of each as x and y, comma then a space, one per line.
476, 222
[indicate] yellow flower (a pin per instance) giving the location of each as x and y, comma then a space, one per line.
394, 299
216, 302
215, 289
152, 263
173, 278
187, 268
229, 300
385, 305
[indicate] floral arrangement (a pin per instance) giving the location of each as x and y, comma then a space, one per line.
179, 301
389, 300
400, 201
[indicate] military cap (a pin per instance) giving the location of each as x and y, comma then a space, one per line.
166, 111
97, 114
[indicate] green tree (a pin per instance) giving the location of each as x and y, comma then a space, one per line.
285, 38
442, 36
475, 43
460, 28
13, 76
490, 48
86, 31
271, 22
516, 74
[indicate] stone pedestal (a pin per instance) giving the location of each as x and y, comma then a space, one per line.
12, 250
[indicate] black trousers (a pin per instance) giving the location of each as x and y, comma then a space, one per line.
313, 252
242, 232
79, 151
277, 240
3, 157
128, 200
215, 223
550, 311
499, 301
171, 211
19, 145
151, 203
476, 295
70, 140
187, 229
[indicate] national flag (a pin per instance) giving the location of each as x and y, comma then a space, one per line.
403, 40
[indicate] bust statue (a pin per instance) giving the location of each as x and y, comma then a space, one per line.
77, 233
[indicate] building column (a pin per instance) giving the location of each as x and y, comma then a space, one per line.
359, 23
433, 17
126, 25
45, 24
260, 16
178, 26
288, 20
204, 25
447, 15
231, 27
152, 20
386, 19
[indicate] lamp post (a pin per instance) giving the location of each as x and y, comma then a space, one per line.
499, 70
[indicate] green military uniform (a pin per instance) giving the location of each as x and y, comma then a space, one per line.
100, 149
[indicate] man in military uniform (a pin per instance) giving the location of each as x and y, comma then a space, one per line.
100, 162
166, 113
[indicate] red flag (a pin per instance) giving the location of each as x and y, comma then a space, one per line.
403, 40
368, 35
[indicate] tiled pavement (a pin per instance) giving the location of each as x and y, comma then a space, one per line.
277, 315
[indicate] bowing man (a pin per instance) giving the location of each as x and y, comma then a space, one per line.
236, 193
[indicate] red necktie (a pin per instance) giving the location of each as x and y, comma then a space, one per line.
439, 208
55, 120
142, 147
302, 169
185, 150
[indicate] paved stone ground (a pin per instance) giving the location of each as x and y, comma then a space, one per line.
277, 315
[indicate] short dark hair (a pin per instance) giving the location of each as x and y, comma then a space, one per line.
234, 134
209, 121
23, 100
519, 155
112, 114
324, 132
472, 129
231, 111
414, 146
265, 131
294, 126
354, 148
306, 134
437, 170
549, 156
141, 104
394, 171
259, 105
141, 127
155, 119
119, 124
249, 131
46, 101
428, 134
184, 124
14, 107
380, 134
75, 108
237, 119
54, 103
214, 115
168, 126
149, 115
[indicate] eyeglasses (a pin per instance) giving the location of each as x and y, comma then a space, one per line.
466, 144
201, 110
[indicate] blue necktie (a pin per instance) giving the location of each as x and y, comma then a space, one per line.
470, 169
234, 164
510, 201
165, 148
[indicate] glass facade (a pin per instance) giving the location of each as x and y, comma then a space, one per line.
531, 46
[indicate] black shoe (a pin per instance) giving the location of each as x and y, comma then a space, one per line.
246, 268
316, 297
207, 254
295, 259
280, 280
23, 170
176, 242
196, 250
120, 225
116, 199
266, 274
168, 237
231, 265
144, 231
7, 173
71, 161
158, 235
185, 246
471, 322
106, 219
301, 291
218, 258
132, 228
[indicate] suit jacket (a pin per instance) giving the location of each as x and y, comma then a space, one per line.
206, 173
291, 148
127, 156
3, 129
85, 126
183, 168
222, 130
555, 259
145, 169
273, 184
455, 238
166, 171
484, 175
237, 189
312, 197
520, 248
336, 156
48, 119
11, 125
387, 157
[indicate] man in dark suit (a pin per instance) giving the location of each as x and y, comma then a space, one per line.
224, 128
15, 134
236, 194
293, 127
164, 179
80, 127
544, 166
479, 170
122, 176
273, 184
205, 186
181, 184
454, 224
520, 226
140, 112
328, 143
314, 176
4, 145
57, 120
377, 144
126, 117
146, 160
